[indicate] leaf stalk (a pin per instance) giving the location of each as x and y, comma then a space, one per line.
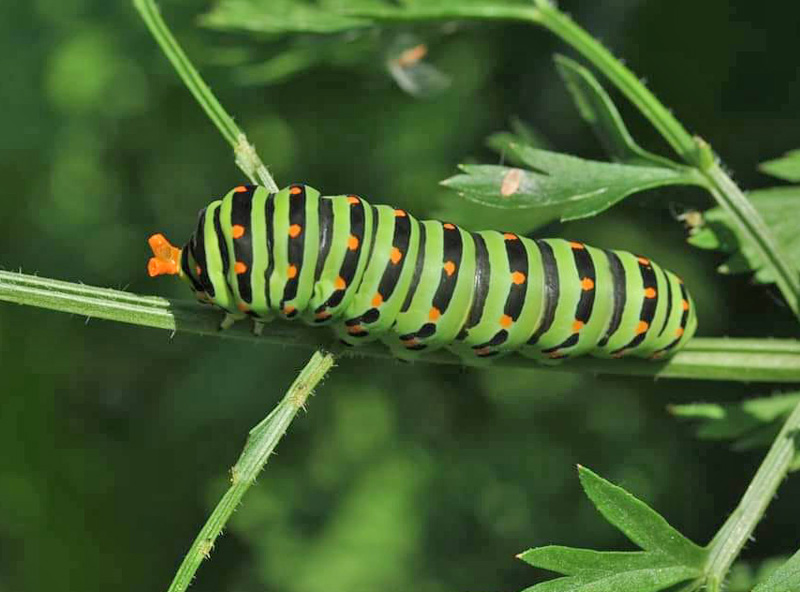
260, 444
747, 360
737, 529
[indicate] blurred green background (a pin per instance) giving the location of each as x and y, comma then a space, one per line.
115, 440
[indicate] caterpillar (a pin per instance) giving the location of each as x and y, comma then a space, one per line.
376, 272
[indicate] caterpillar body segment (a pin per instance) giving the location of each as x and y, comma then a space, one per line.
373, 272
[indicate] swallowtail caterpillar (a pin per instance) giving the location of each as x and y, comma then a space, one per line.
375, 272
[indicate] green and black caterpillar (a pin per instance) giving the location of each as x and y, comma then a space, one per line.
376, 272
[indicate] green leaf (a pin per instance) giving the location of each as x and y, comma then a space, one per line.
787, 167
715, 231
644, 580
580, 188
669, 558
597, 108
589, 563
640, 523
785, 579
751, 423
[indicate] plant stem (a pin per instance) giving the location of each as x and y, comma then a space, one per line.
749, 360
663, 120
731, 538
245, 153
751, 225
692, 150
261, 441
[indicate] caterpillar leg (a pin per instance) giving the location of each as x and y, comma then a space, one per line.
258, 327
229, 319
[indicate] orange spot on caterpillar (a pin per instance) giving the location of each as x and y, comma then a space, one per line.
510, 236
198, 270
287, 310
411, 342
295, 230
355, 329
449, 226
576, 245
434, 313
240, 268
642, 327
449, 268
650, 293
352, 200
554, 355
396, 255
643, 260
577, 326
400, 213
340, 284
518, 277
679, 332
377, 300
619, 354
505, 321
511, 182
291, 272
483, 351
352, 242
587, 284
242, 307
237, 231
685, 304
295, 190
322, 315
239, 189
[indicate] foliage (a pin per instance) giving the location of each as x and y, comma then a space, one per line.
714, 231
104, 456
667, 557
783, 579
748, 424
580, 188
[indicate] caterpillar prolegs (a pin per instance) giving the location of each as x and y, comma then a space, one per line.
376, 272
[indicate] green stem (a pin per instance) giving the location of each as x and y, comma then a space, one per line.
626, 81
692, 150
261, 441
705, 359
752, 226
731, 538
245, 153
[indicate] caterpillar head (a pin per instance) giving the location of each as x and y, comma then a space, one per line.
168, 259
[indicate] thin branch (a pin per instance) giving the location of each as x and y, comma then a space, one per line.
245, 153
739, 527
748, 360
261, 441
129, 308
694, 151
